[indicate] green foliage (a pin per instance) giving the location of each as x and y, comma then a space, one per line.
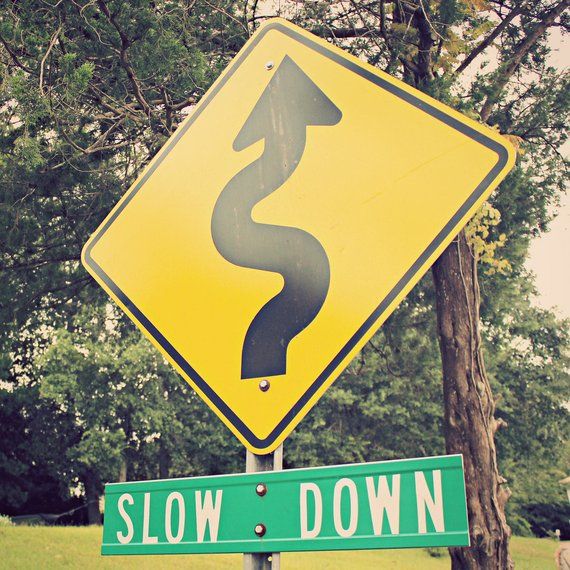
27, 151
545, 518
387, 404
5, 521
130, 408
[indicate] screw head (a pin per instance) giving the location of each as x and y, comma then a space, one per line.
269, 65
264, 385
260, 529
261, 489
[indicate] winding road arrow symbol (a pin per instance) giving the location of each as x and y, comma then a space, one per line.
289, 104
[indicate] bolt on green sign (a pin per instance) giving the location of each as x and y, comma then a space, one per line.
389, 504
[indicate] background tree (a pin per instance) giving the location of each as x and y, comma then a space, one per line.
132, 413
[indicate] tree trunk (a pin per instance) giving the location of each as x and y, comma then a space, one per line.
469, 422
123, 470
163, 461
93, 495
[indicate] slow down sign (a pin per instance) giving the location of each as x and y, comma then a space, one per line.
391, 504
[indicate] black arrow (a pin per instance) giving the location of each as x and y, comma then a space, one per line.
290, 103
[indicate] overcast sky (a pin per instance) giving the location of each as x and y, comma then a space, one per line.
550, 253
550, 261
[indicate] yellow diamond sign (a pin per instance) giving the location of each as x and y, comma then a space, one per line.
283, 222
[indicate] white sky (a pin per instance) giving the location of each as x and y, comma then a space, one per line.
550, 254
550, 261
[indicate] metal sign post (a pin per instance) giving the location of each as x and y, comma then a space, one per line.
253, 464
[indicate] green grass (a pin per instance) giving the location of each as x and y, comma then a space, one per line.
78, 547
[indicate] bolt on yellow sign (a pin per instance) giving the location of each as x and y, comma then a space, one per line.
284, 221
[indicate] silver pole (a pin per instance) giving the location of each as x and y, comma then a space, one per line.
253, 464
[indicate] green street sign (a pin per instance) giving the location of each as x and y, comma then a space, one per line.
390, 504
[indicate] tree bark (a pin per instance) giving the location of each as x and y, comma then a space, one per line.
123, 470
469, 422
93, 495
163, 461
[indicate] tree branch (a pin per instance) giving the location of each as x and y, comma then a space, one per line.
46, 55
343, 33
426, 41
14, 57
490, 38
520, 52
124, 58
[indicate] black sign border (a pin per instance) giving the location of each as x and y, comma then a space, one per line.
436, 113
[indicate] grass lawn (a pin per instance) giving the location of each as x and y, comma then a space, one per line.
78, 547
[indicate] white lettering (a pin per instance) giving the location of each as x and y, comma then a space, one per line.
147, 539
384, 500
208, 514
434, 504
337, 515
305, 531
126, 538
168, 517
